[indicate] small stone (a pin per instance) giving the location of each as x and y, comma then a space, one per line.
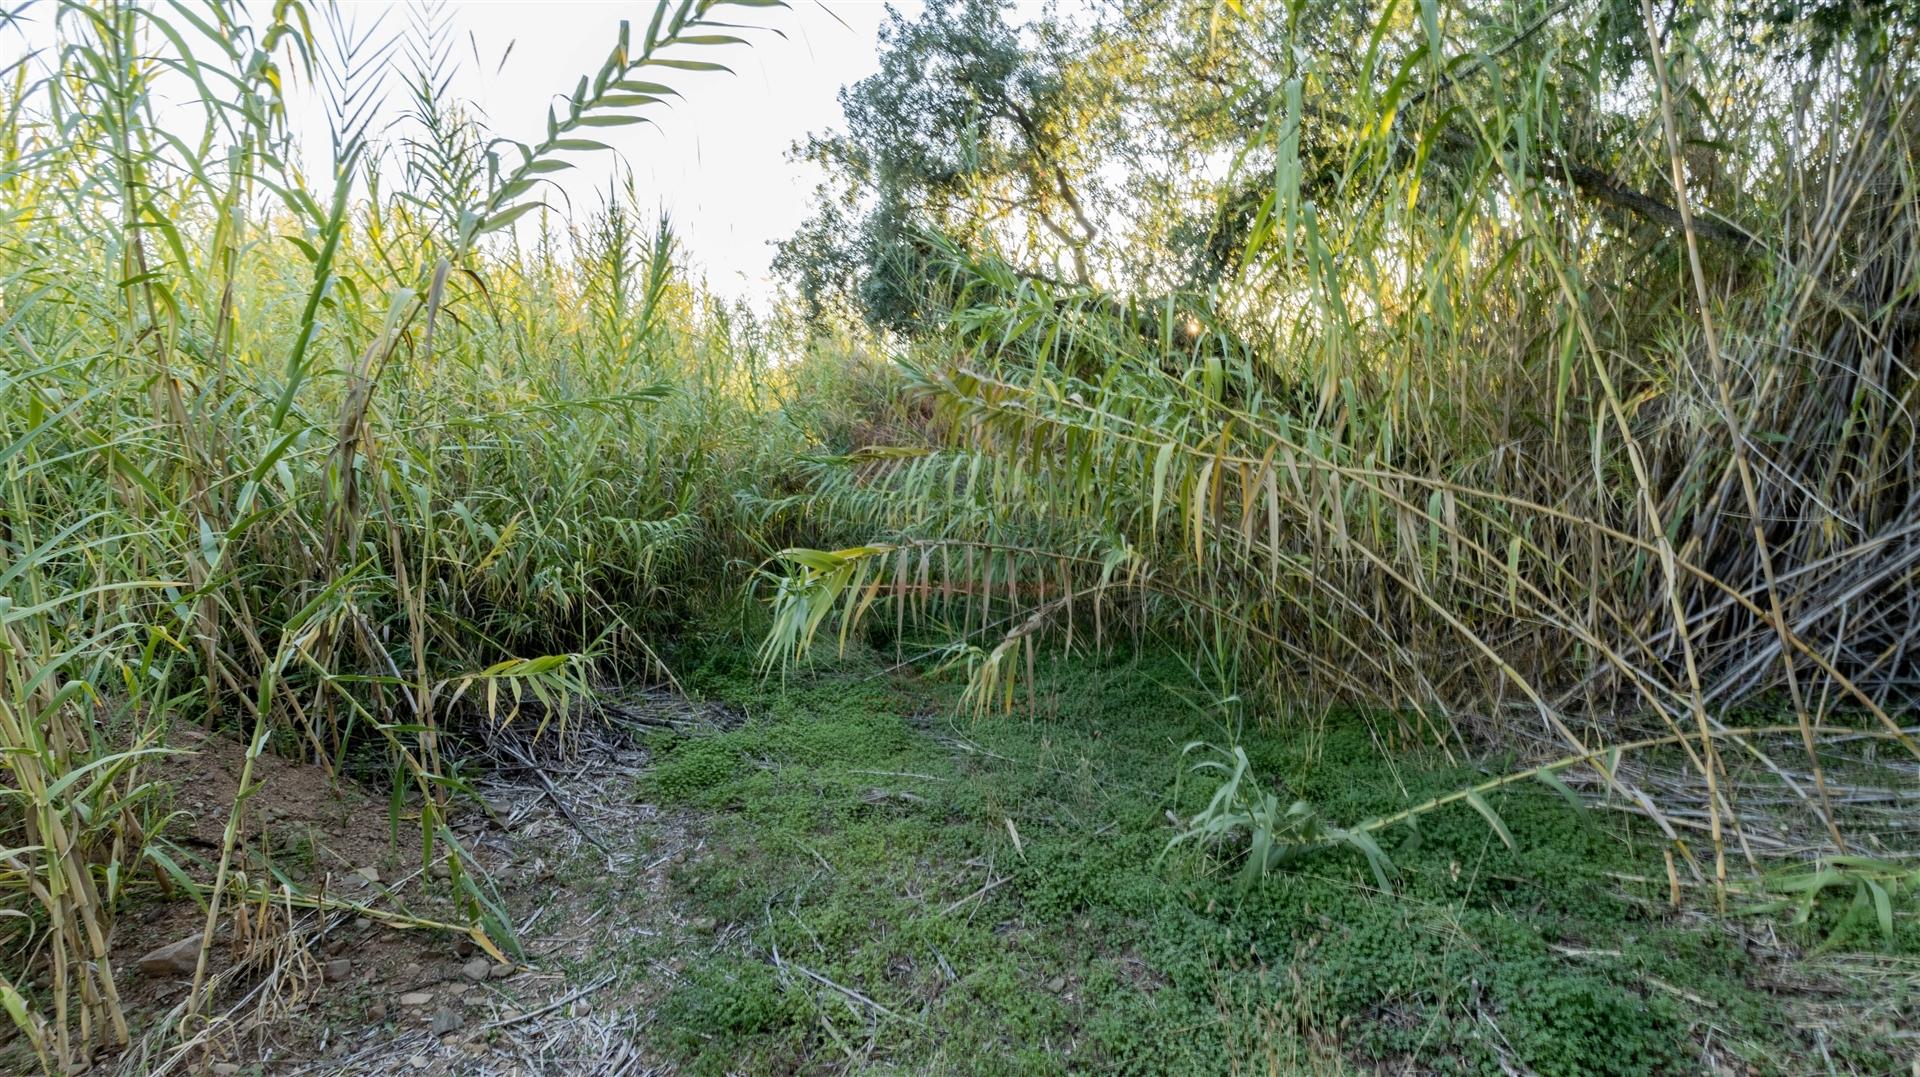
339, 969
440, 870
223, 1069
580, 1008
361, 923
416, 998
335, 947
174, 959
477, 969
502, 970
377, 1012
1057, 984
704, 923
371, 875
446, 1021
511, 1014
418, 1062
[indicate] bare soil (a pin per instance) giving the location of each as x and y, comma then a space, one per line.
564, 849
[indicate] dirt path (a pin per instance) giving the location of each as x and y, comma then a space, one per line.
571, 856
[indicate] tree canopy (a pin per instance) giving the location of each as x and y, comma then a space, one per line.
1134, 146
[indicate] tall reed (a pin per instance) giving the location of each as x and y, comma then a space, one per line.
332, 460
1474, 431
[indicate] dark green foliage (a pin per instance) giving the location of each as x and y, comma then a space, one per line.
1586, 1025
723, 1006
1786, 29
966, 106
695, 766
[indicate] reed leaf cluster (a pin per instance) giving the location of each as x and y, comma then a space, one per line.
1520, 447
337, 459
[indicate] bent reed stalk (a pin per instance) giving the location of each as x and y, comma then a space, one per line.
1472, 429
331, 459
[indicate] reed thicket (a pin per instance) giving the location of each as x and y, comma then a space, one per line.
328, 460
1596, 460
1520, 444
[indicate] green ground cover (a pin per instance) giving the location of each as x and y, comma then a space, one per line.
895, 885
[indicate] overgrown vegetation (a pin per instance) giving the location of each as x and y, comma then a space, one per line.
1544, 373
899, 886
1495, 422
330, 460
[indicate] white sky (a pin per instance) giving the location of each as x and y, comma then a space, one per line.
717, 159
